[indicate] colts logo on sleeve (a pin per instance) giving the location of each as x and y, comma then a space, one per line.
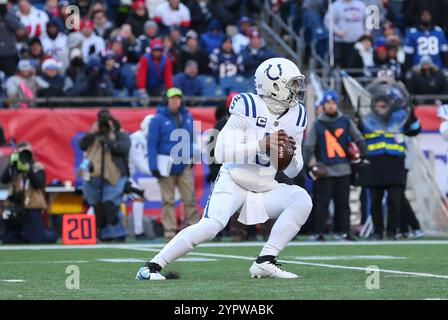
261, 122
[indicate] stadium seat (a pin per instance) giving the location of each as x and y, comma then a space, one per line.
235, 84
209, 85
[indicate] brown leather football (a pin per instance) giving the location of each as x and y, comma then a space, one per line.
285, 155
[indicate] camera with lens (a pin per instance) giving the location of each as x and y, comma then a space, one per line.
104, 118
25, 156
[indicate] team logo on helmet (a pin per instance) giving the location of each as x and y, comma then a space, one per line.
279, 72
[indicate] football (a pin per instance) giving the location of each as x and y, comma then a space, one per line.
285, 155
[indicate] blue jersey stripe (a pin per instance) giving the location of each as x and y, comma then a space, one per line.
304, 118
246, 103
210, 195
254, 109
300, 116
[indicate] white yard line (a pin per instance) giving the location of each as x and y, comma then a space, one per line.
323, 265
224, 245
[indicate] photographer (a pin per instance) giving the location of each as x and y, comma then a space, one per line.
106, 149
22, 212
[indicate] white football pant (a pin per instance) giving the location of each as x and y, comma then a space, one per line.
291, 205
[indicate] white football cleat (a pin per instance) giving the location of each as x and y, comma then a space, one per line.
144, 273
270, 269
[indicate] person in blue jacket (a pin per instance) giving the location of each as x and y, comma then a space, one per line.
170, 144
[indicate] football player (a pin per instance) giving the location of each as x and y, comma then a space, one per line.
260, 125
138, 162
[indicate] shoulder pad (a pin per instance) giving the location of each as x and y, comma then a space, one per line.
437, 28
244, 104
412, 30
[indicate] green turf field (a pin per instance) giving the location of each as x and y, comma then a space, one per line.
409, 270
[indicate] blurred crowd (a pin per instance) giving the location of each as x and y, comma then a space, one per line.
126, 48
407, 37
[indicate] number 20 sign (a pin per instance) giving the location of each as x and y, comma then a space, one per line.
78, 229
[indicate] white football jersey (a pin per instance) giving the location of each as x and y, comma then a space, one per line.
138, 154
237, 145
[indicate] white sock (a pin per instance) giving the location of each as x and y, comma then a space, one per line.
206, 229
137, 214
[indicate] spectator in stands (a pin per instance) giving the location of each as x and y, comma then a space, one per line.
200, 14
226, 11
10, 27
91, 44
348, 26
328, 141
96, 6
93, 82
255, 53
124, 33
58, 84
362, 57
154, 71
52, 8
242, 39
437, 8
102, 26
35, 52
138, 17
382, 60
224, 62
151, 31
106, 149
66, 14
395, 49
212, 39
25, 84
427, 39
54, 44
171, 51
427, 78
25, 177
187, 81
76, 64
34, 20
191, 51
113, 71
170, 116
172, 13
312, 13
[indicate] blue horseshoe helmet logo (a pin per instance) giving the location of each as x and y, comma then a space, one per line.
279, 72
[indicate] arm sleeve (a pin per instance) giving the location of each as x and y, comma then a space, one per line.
153, 141
230, 145
168, 74
121, 145
37, 178
6, 175
137, 156
310, 146
358, 138
443, 131
296, 164
86, 141
142, 70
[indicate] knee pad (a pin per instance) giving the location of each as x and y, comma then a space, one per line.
301, 200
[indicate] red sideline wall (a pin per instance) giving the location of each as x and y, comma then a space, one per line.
51, 131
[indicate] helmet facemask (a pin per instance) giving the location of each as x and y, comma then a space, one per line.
297, 90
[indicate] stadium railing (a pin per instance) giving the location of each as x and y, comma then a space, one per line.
276, 28
110, 101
